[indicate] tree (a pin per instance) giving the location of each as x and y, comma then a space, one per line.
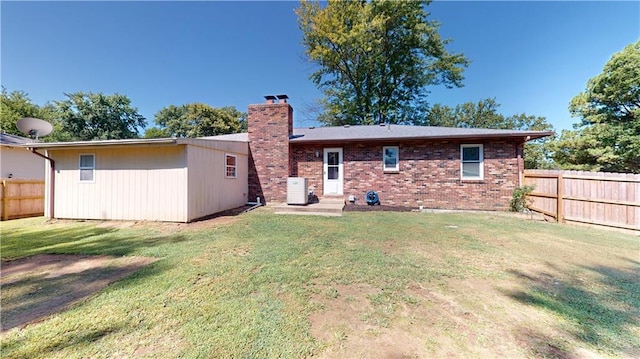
484, 114
15, 105
608, 136
376, 59
197, 120
538, 152
95, 116
156, 132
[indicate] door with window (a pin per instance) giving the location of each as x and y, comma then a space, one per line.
333, 171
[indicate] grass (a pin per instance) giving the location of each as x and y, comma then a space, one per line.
455, 285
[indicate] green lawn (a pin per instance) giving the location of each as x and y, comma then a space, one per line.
365, 285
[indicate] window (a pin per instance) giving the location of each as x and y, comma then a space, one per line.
230, 166
87, 168
391, 160
471, 162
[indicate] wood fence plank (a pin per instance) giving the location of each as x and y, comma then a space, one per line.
22, 198
603, 199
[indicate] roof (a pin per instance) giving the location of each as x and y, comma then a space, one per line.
240, 137
7, 139
392, 132
137, 141
322, 134
206, 142
404, 132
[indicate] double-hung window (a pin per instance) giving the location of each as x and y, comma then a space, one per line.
391, 159
230, 166
471, 162
87, 167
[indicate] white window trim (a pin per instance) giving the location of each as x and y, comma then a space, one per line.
391, 169
235, 166
93, 168
481, 162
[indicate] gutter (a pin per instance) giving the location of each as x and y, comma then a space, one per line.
52, 181
114, 143
302, 139
521, 159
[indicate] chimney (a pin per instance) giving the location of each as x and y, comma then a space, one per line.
269, 126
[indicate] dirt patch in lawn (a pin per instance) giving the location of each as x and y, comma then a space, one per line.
37, 286
467, 319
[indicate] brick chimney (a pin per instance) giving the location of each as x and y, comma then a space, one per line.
269, 125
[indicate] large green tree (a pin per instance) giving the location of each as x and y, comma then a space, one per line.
608, 135
96, 116
197, 120
484, 114
375, 59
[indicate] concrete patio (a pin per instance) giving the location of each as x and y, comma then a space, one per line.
326, 206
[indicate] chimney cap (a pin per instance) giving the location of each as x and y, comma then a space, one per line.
282, 97
269, 97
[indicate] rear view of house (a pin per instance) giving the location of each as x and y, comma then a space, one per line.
180, 180
433, 167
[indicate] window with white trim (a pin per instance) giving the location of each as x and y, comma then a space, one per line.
87, 166
471, 162
230, 166
390, 158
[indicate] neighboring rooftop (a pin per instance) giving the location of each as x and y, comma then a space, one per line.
7, 139
240, 137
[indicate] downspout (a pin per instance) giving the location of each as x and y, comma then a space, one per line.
52, 182
521, 161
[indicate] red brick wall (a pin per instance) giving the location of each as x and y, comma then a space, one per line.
269, 126
429, 174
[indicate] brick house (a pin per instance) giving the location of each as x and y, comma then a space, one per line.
183, 179
434, 167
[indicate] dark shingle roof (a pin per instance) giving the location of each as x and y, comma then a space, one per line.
391, 133
403, 132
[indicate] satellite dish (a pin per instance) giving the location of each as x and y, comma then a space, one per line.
34, 127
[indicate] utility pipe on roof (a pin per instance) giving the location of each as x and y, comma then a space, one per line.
52, 182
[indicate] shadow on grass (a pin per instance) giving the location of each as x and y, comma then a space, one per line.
34, 296
15, 347
601, 313
78, 239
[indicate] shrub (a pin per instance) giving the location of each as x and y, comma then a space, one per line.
519, 201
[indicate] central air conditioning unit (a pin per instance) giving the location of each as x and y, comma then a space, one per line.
297, 190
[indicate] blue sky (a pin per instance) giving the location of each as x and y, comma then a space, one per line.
533, 57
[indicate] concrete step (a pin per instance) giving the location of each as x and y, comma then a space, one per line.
300, 213
324, 207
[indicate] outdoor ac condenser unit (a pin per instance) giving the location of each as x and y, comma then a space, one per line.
297, 190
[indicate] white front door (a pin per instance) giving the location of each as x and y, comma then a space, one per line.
333, 171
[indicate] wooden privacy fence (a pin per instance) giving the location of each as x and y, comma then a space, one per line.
21, 198
596, 198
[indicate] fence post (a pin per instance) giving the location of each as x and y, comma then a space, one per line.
5, 201
560, 203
